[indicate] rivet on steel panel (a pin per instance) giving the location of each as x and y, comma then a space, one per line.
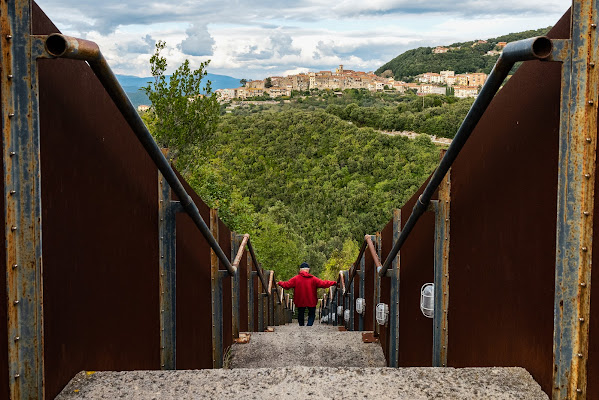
12, 154
8, 37
592, 65
591, 102
593, 26
579, 355
586, 213
15, 266
9, 76
13, 228
589, 140
583, 284
17, 376
10, 115
581, 319
16, 302
13, 191
584, 248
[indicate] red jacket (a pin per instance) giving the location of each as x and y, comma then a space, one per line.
305, 285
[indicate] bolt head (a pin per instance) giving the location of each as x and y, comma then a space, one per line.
589, 140
579, 355
581, 319
8, 37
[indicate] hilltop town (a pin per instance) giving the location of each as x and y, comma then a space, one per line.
444, 82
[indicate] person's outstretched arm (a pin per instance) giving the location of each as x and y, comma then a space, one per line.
287, 284
324, 283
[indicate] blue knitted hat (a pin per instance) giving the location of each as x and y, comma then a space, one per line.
304, 265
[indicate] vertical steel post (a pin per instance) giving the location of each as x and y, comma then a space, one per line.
377, 285
235, 287
394, 297
251, 294
352, 304
167, 212
362, 289
216, 277
441, 267
22, 202
261, 326
575, 203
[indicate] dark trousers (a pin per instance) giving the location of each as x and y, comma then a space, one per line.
311, 315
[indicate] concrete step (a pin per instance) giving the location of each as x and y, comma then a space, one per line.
300, 382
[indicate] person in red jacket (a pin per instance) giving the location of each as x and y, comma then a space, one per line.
304, 292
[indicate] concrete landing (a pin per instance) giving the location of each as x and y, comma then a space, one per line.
309, 382
309, 346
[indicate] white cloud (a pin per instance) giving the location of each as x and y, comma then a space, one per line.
198, 41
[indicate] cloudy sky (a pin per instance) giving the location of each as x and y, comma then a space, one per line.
255, 39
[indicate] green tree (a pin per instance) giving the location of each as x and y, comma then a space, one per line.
243, 81
185, 113
268, 83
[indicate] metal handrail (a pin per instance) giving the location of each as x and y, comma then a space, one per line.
373, 252
258, 268
246, 242
61, 46
537, 48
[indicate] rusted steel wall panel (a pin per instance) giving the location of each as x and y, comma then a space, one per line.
4, 388
225, 244
356, 295
243, 295
100, 229
369, 292
257, 300
502, 259
593, 362
194, 323
386, 245
417, 258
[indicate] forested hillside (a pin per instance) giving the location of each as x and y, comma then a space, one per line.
306, 184
461, 58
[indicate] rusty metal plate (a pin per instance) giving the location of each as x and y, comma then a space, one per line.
503, 228
368, 337
416, 268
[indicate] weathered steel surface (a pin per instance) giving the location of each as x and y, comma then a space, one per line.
194, 310
167, 274
235, 283
441, 267
503, 208
101, 290
369, 292
385, 243
243, 294
575, 191
22, 203
415, 330
217, 297
393, 358
225, 244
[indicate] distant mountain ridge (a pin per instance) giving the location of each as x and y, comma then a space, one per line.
460, 57
132, 84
